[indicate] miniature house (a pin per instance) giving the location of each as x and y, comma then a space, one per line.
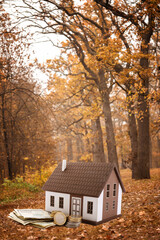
90, 190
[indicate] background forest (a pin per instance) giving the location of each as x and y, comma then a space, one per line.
102, 97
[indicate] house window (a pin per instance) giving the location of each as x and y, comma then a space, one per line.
107, 206
61, 202
114, 190
52, 201
108, 188
114, 204
90, 207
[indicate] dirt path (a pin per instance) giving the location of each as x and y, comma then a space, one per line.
140, 216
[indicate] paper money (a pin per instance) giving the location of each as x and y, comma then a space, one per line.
35, 217
32, 214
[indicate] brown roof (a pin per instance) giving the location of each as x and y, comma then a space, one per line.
87, 179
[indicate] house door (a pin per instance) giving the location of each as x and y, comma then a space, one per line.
76, 207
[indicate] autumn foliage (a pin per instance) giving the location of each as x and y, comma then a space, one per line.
102, 98
24, 136
106, 79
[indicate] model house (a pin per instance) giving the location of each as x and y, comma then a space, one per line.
90, 190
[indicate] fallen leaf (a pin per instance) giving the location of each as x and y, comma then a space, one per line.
142, 213
30, 238
82, 235
121, 220
116, 235
105, 228
99, 237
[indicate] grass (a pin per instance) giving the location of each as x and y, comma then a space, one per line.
12, 190
17, 189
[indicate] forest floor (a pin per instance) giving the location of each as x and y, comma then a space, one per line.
140, 216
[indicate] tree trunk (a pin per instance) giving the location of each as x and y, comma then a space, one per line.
134, 140
24, 168
97, 145
111, 143
80, 149
69, 149
81, 144
158, 151
59, 152
143, 118
6, 138
88, 147
143, 140
123, 163
78, 152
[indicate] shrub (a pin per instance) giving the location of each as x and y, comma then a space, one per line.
20, 184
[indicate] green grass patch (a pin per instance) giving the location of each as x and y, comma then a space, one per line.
17, 189
19, 183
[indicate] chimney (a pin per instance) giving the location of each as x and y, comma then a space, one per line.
64, 164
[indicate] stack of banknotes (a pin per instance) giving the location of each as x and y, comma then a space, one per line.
35, 217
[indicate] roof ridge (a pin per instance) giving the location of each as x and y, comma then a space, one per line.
94, 163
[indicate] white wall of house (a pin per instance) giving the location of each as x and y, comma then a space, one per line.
66, 205
100, 207
97, 208
119, 200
